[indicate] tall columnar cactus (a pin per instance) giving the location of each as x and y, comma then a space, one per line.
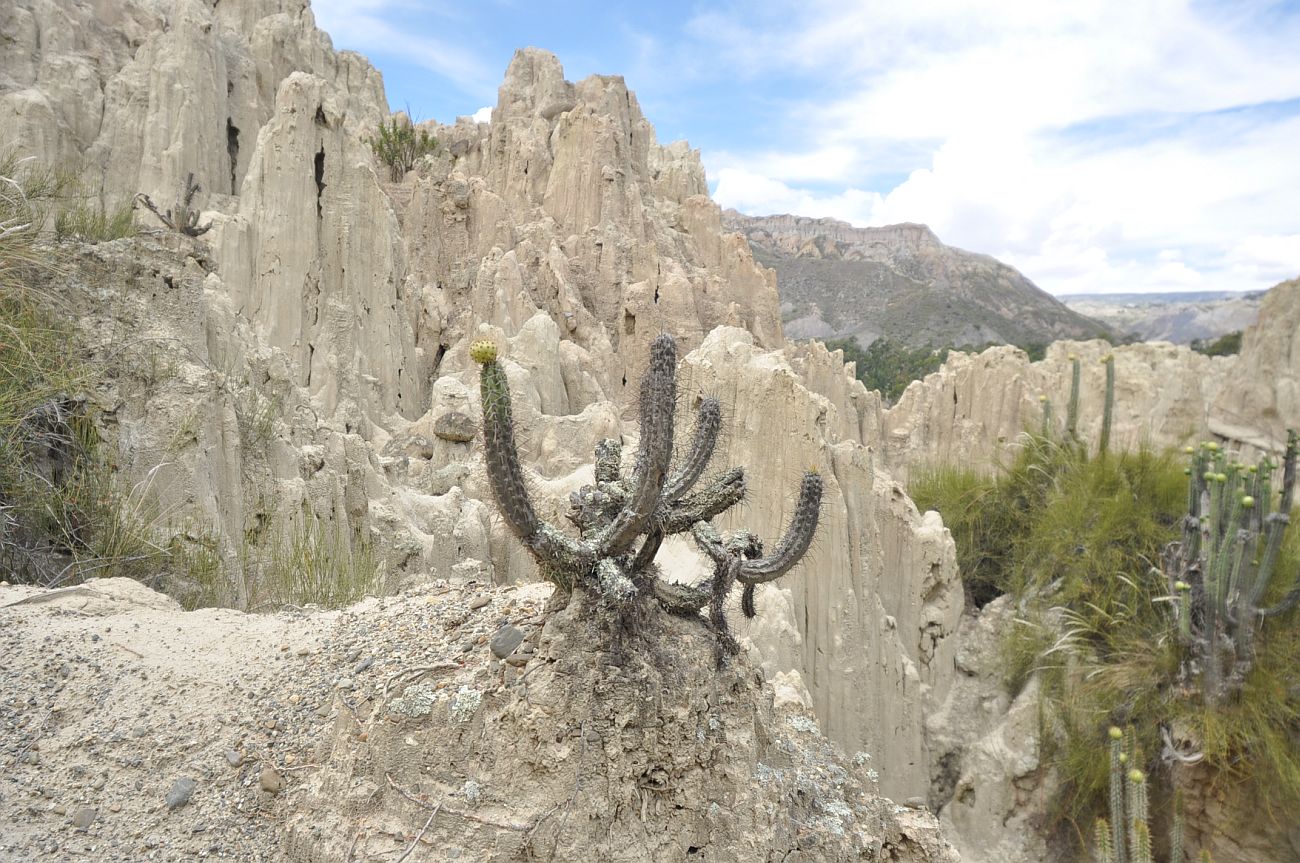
1126, 837
1108, 412
1220, 570
1072, 409
1047, 415
622, 520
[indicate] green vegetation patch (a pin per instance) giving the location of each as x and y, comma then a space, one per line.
1082, 543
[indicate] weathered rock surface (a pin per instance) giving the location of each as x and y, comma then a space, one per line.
639, 749
633, 751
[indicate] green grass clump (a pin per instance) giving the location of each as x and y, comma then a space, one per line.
311, 561
93, 223
399, 145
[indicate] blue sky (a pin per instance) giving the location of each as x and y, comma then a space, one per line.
1097, 145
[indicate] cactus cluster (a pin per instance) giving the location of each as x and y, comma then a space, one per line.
184, 218
1126, 836
623, 519
1219, 571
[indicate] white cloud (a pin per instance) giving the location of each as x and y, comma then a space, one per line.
482, 115
1083, 143
368, 27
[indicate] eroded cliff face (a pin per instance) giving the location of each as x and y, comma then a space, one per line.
308, 357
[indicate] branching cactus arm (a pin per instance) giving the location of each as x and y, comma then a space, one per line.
708, 421
551, 547
658, 403
798, 536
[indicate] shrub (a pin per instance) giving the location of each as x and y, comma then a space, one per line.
92, 222
1224, 346
399, 145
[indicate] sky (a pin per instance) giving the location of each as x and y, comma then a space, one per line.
1095, 145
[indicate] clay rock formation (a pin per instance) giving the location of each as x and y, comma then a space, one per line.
627, 746
300, 361
974, 409
900, 281
1263, 398
136, 731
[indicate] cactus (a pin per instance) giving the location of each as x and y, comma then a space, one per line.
1108, 412
622, 520
1220, 569
183, 219
1126, 836
1047, 416
1072, 409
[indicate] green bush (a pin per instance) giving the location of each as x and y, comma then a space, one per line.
889, 366
1224, 346
399, 145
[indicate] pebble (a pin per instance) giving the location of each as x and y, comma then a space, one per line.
506, 640
180, 792
234, 757
84, 817
271, 781
516, 660
916, 803
363, 665
345, 683
59, 809
478, 602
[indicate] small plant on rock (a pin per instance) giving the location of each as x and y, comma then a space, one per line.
623, 519
399, 145
185, 218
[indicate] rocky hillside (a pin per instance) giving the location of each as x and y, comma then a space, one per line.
900, 281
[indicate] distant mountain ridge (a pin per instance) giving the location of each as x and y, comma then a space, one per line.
902, 282
1170, 317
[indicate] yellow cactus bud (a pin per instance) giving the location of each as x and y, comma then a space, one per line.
1115, 732
1136, 776
483, 351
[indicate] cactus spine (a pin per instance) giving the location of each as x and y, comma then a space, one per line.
1220, 570
623, 520
1108, 412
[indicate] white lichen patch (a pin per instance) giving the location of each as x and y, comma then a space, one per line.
803, 724
465, 703
472, 792
415, 701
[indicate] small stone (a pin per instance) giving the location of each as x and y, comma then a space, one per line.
478, 602
59, 809
363, 665
915, 803
516, 660
100, 781
455, 426
506, 640
345, 683
234, 757
180, 792
84, 817
271, 782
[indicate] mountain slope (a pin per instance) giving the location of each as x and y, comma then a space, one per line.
900, 281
